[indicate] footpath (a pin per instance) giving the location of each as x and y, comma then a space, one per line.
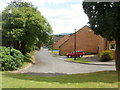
92, 59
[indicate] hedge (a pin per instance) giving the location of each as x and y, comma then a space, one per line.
11, 61
106, 55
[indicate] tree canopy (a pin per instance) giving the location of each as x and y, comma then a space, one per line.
26, 24
104, 19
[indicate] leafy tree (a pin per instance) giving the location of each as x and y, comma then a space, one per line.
27, 25
104, 19
50, 42
18, 4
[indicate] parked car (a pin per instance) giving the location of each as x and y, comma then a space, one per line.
79, 53
44, 46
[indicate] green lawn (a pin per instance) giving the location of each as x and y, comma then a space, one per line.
80, 60
106, 79
54, 52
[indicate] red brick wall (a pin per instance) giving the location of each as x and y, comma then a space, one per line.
60, 41
105, 45
102, 45
85, 40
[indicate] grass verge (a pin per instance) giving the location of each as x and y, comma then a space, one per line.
29, 58
79, 60
54, 52
88, 80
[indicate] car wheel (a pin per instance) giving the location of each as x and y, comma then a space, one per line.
68, 56
80, 56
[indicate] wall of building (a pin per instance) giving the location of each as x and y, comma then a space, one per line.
105, 45
111, 42
102, 45
85, 40
60, 41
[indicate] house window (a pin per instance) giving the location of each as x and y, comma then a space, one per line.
112, 46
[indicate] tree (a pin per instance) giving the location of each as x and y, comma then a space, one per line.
27, 24
104, 19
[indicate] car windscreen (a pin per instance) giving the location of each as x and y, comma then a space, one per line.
79, 51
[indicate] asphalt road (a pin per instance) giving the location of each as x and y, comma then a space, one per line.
47, 65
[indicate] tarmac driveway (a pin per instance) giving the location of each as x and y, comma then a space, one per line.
47, 65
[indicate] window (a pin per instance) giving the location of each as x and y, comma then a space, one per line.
79, 51
112, 46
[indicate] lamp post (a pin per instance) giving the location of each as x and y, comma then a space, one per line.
75, 46
10, 12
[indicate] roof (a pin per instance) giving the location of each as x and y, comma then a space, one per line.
56, 38
73, 34
65, 37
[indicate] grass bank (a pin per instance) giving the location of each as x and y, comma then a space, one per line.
29, 58
54, 52
106, 79
79, 60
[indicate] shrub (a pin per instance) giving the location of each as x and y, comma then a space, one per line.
49, 49
13, 61
36, 48
55, 49
106, 55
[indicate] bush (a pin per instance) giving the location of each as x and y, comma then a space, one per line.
55, 49
36, 48
13, 61
106, 55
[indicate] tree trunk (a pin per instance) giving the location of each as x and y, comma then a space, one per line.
17, 45
117, 55
117, 59
23, 50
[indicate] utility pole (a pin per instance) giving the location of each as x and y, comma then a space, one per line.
75, 46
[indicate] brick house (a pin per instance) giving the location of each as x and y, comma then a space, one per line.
60, 41
106, 45
85, 40
56, 38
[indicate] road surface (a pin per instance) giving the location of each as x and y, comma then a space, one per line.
47, 65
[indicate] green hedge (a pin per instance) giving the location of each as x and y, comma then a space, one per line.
106, 55
11, 61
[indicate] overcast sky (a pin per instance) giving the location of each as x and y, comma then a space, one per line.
63, 15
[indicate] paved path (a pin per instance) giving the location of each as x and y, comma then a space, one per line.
47, 65
93, 60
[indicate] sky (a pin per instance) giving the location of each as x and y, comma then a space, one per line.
63, 15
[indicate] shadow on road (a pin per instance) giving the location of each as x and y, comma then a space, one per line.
46, 74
